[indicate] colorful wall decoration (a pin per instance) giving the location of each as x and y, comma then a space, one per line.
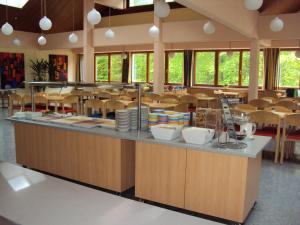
12, 71
58, 67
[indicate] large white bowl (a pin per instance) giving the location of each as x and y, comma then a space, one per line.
166, 132
197, 135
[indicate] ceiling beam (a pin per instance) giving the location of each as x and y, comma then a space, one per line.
230, 13
116, 4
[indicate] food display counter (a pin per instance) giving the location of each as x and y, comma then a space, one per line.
219, 182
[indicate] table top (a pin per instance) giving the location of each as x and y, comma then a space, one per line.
32, 198
157, 105
125, 102
55, 98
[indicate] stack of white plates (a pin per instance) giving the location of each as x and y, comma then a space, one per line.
123, 120
144, 118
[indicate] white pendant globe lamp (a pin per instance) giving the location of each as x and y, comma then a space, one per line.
209, 28
109, 34
45, 23
154, 31
297, 53
124, 55
42, 40
276, 24
94, 17
6, 28
253, 4
161, 9
73, 38
17, 42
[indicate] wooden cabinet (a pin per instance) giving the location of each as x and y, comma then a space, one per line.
160, 173
221, 185
94, 159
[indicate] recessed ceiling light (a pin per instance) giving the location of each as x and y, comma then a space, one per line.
14, 3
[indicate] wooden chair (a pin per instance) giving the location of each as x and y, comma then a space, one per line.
132, 94
112, 106
135, 104
168, 99
190, 99
291, 131
155, 97
278, 109
14, 103
41, 103
244, 108
268, 124
124, 97
259, 103
182, 107
147, 99
93, 104
292, 105
70, 100
104, 95
26, 103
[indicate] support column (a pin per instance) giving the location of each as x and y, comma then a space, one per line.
254, 70
88, 45
159, 59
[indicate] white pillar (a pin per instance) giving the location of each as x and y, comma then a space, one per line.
254, 70
159, 60
88, 45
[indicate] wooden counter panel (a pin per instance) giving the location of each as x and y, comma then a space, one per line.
97, 160
216, 184
160, 173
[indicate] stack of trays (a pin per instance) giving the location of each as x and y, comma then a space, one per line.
158, 111
144, 118
162, 118
173, 119
122, 120
133, 118
186, 119
153, 119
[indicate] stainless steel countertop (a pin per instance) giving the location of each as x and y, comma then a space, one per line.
254, 147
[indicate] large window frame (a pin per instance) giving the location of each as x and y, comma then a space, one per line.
217, 63
147, 64
109, 54
167, 67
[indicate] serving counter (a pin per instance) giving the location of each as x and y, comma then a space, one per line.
218, 182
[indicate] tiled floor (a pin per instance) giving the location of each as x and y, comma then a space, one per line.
279, 199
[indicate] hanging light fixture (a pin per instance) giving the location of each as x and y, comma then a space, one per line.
161, 9
45, 23
94, 17
42, 40
17, 42
209, 27
229, 52
297, 53
253, 4
154, 31
124, 55
6, 28
73, 38
277, 24
110, 34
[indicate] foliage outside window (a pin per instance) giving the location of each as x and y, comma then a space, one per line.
142, 67
261, 69
205, 68
133, 3
228, 68
109, 67
289, 66
175, 68
246, 68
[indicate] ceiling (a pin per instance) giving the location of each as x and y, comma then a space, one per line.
60, 12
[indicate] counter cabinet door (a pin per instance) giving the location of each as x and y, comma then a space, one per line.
160, 173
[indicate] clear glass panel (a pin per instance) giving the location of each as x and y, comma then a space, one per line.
151, 67
289, 69
133, 3
245, 68
101, 68
139, 67
116, 63
175, 75
229, 68
205, 68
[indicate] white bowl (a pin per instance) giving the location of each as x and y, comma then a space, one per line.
197, 135
166, 132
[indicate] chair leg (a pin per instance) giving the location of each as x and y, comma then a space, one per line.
282, 150
277, 148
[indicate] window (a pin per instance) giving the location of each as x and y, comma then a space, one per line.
142, 67
229, 68
205, 68
108, 67
289, 66
246, 68
261, 69
133, 3
175, 69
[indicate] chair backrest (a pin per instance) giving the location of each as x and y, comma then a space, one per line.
94, 104
26, 99
15, 99
132, 94
292, 120
278, 109
182, 107
244, 107
264, 117
135, 104
113, 105
123, 97
147, 99
104, 94
292, 105
155, 97
71, 99
259, 103
190, 99
164, 99
200, 95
